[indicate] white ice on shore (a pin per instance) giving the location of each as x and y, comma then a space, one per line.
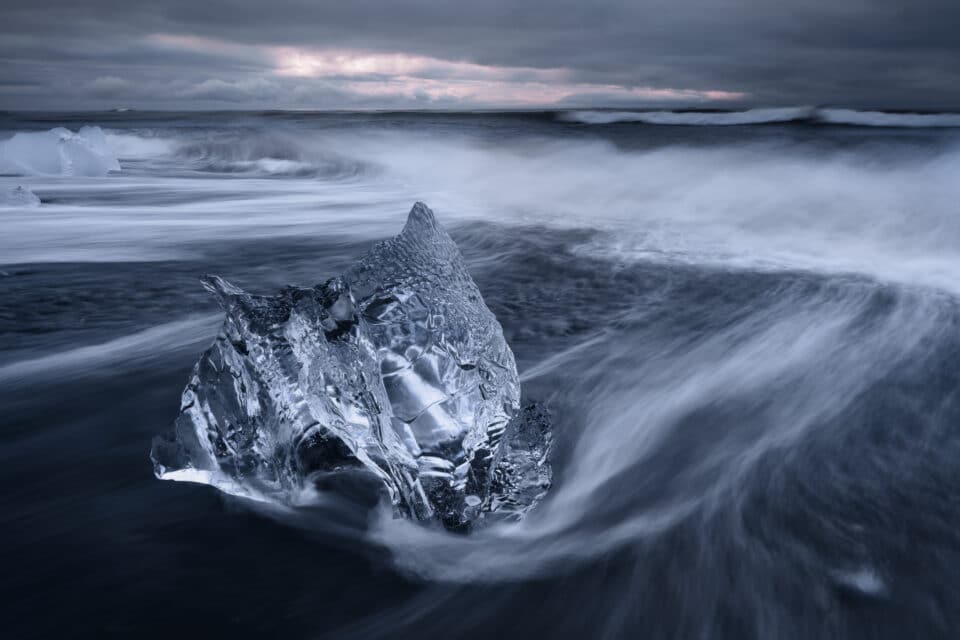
58, 152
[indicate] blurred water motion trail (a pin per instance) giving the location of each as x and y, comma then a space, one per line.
748, 336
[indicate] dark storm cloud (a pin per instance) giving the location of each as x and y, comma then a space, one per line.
175, 53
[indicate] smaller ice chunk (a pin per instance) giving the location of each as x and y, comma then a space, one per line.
58, 152
18, 197
864, 580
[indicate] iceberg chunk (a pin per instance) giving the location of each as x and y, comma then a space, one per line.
396, 369
58, 152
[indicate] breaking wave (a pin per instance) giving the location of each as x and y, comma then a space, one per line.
276, 154
138, 145
240, 152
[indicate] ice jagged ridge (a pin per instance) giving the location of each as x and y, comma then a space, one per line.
396, 369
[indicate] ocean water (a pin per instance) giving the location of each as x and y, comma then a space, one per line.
747, 329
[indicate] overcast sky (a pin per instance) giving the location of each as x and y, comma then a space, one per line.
445, 54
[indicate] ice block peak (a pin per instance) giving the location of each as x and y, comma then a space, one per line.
421, 220
397, 369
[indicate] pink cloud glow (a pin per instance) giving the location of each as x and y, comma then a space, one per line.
392, 75
410, 74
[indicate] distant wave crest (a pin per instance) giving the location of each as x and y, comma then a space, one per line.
767, 116
691, 118
887, 119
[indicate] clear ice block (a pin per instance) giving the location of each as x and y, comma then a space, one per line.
396, 369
